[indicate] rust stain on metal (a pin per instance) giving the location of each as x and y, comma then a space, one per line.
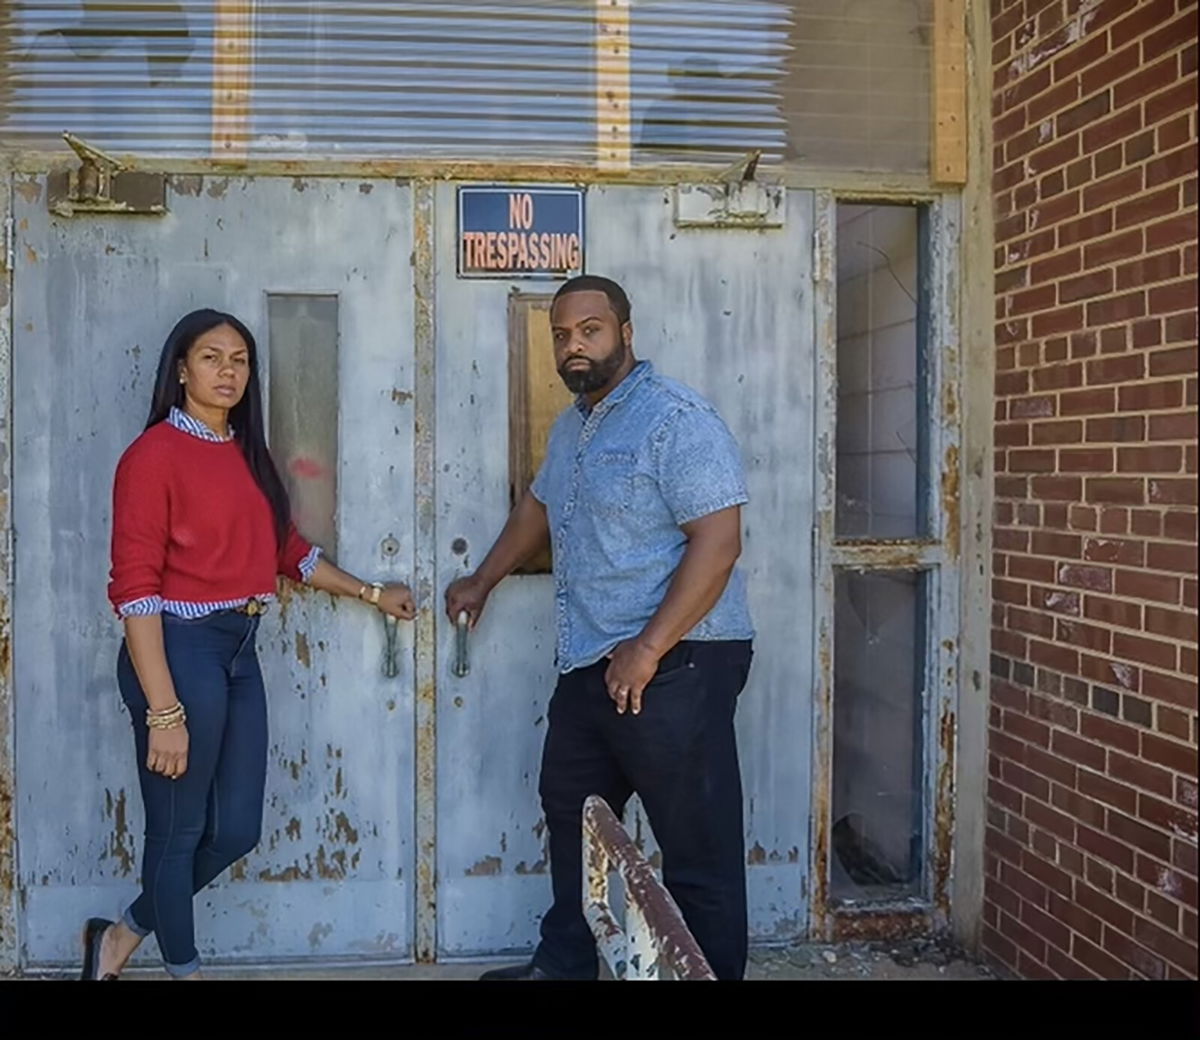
31, 254
302, 654
187, 184
366, 188
292, 830
756, 856
218, 188
401, 396
489, 866
879, 925
29, 188
944, 814
950, 500
822, 786
343, 830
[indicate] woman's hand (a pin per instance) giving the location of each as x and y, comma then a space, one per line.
168, 752
397, 601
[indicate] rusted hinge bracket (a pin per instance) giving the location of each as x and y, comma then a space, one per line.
102, 184
733, 200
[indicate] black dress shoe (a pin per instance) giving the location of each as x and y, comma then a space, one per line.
93, 936
518, 973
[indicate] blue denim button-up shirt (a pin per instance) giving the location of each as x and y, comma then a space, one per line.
618, 482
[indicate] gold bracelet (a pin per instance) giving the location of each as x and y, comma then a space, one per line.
173, 724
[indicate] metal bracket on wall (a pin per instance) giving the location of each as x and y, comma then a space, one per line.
102, 184
733, 200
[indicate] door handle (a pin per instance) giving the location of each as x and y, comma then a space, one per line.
391, 667
462, 657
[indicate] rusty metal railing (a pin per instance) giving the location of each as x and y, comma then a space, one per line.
655, 944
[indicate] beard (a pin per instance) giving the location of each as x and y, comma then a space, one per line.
596, 376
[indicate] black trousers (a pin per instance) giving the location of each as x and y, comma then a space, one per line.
680, 756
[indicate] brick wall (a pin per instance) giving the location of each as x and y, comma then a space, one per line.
1092, 793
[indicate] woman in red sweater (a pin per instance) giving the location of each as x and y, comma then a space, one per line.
201, 529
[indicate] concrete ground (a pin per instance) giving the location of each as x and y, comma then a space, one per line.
911, 959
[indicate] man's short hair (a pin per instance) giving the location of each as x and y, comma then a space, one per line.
594, 283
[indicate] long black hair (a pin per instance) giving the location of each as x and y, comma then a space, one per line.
246, 417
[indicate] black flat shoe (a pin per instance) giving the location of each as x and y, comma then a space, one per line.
518, 973
93, 936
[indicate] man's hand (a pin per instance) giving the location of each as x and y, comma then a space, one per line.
469, 594
631, 667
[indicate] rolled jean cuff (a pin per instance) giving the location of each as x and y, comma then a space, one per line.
182, 971
133, 926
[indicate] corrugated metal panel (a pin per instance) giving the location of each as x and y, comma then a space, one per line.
820, 83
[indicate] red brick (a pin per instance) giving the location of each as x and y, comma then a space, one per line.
999, 947
1097, 960
1047, 873
1173, 624
1119, 369
1173, 755
1174, 819
1088, 402
1146, 522
1145, 81
1150, 397
1118, 428
1081, 751
1144, 963
1161, 203
1108, 732
1114, 520
1113, 612
1173, 427
1122, 246
1157, 459
1112, 189
1050, 765
1166, 491
1169, 36
1091, 226
1149, 270
1180, 953
1171, 167
1147, 333
1174, 724
1087, 637
1032, 732
1089, 50
1124, 490
1170, 556
1116, 309
1171, 232
1108, 672
1056, 489
1104, 908
1163, 911
1146, 651
1061, 152
1022, 936
1057, 266
1047, 927
1101, 845
1181, 328
1172, 362
1141, 774
1031, 622
1064, 432
1130, 831
1099, 875
1180, 525
1052, 323
1107, 791
1114, 550
1177, 296
1114, 341
1178, 98
1158, 587
1184, 856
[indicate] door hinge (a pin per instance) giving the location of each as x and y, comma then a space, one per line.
9, 249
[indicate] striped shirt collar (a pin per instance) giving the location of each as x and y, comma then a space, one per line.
182, 421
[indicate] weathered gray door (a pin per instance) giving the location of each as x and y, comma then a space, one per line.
731, 313
328, 263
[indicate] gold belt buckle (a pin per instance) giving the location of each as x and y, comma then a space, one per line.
255, 607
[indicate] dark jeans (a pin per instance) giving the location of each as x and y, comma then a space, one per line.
680, 756
210, 817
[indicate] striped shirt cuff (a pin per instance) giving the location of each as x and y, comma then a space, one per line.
309, 564
144, 607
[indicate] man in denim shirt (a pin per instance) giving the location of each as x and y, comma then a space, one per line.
640, 499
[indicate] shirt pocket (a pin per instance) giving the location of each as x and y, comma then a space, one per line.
608, 482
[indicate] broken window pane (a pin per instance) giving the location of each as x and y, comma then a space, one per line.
304, 409
878, 747
881, 441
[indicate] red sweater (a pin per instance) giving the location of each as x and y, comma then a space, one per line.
191, 524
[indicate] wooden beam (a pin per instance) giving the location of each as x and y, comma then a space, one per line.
233, 54
614, 95
949, 92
